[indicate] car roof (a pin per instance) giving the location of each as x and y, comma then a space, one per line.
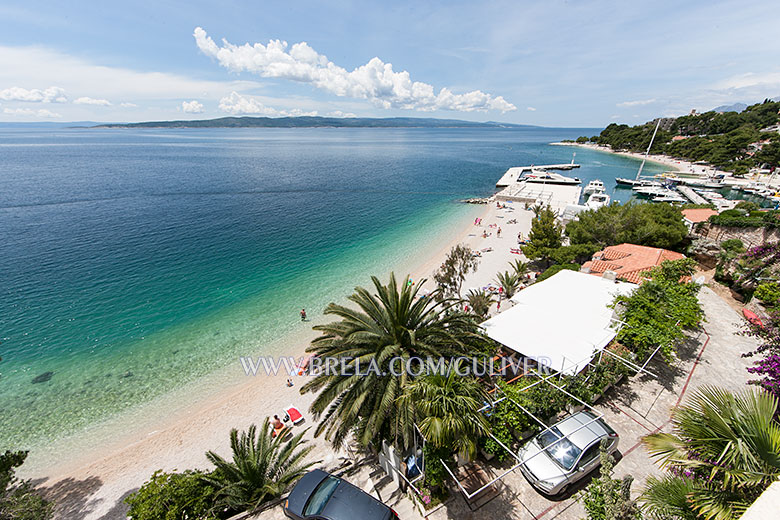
349, 502
582, 437
303, 489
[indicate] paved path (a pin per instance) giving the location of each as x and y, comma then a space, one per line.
637, 408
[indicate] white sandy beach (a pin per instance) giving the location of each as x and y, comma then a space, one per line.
93, 483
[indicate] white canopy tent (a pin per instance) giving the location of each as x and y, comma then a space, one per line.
565, 319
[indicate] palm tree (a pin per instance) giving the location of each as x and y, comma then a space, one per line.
509, 282
724, 450
479, 301
376, 339
519, 267
446, 409
262, 468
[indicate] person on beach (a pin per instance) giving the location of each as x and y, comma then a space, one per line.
303, 314
277, 423
498, 233
290, 382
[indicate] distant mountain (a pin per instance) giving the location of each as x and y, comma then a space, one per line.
736, 107
47, 124
314, 122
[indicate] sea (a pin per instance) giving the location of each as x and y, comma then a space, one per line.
136, 262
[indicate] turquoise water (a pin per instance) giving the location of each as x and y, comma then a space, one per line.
133, 262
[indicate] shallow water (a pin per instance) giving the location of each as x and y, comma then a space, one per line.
133, 262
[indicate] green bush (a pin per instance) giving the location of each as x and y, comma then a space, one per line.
555, 269
174, 496
435, 474
18, 498
768, 293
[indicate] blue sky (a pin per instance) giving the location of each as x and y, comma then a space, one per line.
552, 63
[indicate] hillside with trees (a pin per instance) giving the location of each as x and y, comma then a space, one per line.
732, 141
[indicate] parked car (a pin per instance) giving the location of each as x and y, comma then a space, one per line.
558, 457
322, 496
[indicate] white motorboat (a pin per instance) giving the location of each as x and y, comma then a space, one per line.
597, 200
545, 177
594, 186
669, 196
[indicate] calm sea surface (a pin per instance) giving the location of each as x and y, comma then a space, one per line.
133, 262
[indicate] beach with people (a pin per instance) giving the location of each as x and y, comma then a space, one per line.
100, 467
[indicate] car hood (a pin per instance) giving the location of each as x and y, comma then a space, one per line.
350, 502
540, 464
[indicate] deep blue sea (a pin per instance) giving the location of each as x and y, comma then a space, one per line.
133, 262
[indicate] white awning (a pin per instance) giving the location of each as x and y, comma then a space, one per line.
565, 319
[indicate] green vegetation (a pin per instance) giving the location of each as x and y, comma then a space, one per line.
721, 455
723, 140
555, 269
480, 302
174, 496
739, 217
390, 324
262, 468
545, 237
446, 408
460, 261
509, 282
18, 498
654, 225
661, 309
768, 293
607, 498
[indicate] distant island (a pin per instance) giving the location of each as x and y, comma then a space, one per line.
314, 122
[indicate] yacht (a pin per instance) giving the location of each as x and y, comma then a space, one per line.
670, 197
594, 186
621, 181
545, 177
597, 200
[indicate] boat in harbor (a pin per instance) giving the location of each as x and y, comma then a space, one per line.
597, 200
545, 177
593, 186
671, 196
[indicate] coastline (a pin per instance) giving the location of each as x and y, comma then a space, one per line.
108, 463
679, 165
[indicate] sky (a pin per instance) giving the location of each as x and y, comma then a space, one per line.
552, 63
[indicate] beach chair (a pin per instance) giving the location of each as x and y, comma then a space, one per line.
294, 415
280, 432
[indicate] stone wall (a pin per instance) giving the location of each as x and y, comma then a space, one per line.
751, 237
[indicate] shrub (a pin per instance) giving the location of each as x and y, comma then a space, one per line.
18, 498
173, 496
768, 293
555, 269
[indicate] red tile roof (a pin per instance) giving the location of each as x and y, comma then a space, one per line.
629, 261
698, 215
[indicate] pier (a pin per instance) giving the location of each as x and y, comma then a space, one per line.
691, 195
514, 173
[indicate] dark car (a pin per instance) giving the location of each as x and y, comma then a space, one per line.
322, 496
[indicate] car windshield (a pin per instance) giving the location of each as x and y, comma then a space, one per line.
563, 452
321, 495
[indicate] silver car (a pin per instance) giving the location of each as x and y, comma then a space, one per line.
558, 457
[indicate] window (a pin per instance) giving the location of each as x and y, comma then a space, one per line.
321, 495
563, 451
590, 454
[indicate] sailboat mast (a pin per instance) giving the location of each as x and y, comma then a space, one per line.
641, 166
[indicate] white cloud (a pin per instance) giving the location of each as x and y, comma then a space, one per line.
375, 81
30, 112
192, 107
92, 101
339, 113
128, 105
750, 80
237, 104
530, 109
637, 103
49, 95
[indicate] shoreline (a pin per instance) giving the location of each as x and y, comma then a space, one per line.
104, 468
679, 165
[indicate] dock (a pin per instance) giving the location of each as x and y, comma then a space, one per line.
557, 196
691, 195
514, 173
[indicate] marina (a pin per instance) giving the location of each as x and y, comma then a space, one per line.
513, 174
533, 185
